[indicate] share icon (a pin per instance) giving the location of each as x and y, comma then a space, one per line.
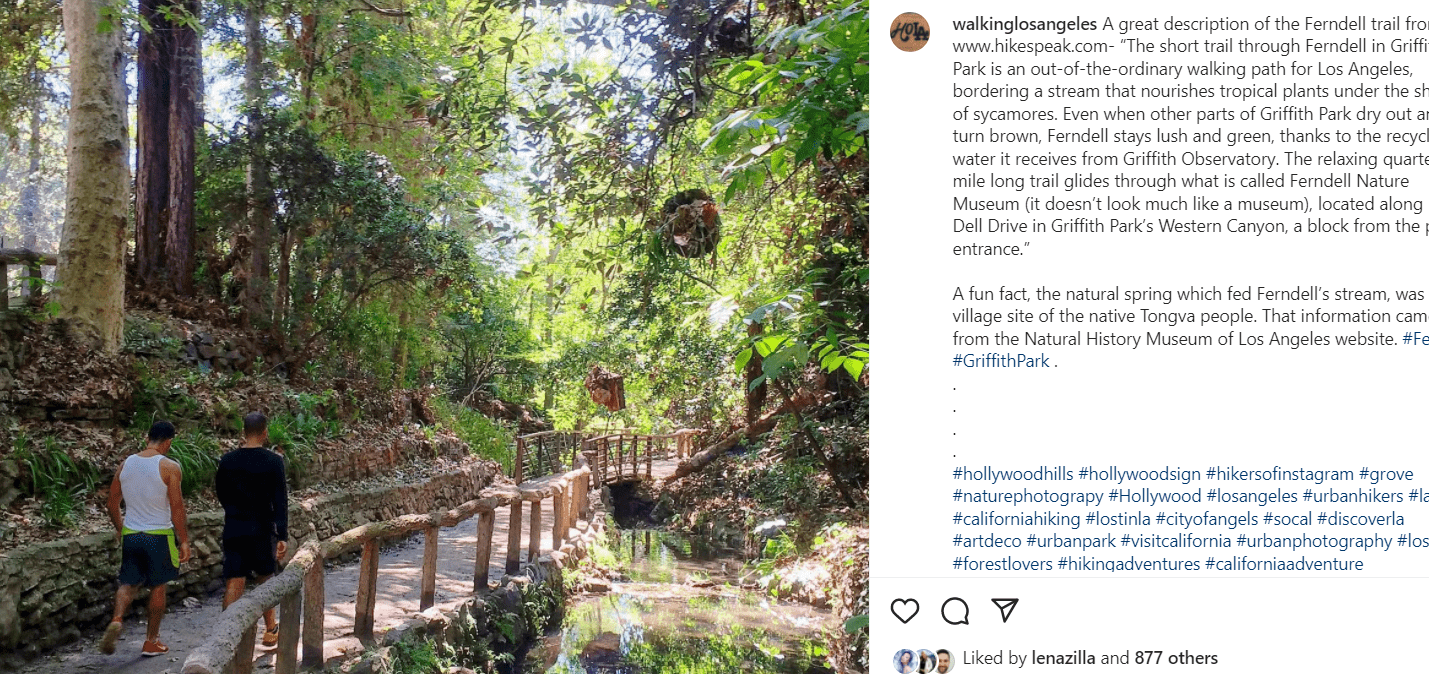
1006, 606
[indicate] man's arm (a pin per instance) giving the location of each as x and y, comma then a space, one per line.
116, 494
173, 475
221, 483
280, 500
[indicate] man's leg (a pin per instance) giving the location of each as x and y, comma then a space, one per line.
122, 599
157, 603
234, 591
270, 621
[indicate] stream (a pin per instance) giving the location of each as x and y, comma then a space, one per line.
681, 610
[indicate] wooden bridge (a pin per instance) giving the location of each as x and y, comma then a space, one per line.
614, 456
543, 476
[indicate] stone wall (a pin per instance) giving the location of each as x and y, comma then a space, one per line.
51, 592
351, 461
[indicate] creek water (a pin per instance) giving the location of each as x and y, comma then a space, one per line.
681, 610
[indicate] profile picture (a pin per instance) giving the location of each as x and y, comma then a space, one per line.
905, 662
927, 661
945, 661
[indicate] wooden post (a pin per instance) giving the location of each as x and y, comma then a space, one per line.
30, 285
286, 661
485, 525
243, 656
513, 539
619, 457
649, 459
4, 286
518, 471
558, 517
429, 568
314, 604
533, 547
363, 622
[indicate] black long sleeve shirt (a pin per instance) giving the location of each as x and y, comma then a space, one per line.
253, 488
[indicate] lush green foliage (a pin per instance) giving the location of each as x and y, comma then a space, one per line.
58, 480
486, 438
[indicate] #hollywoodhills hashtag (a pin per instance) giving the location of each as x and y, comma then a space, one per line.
1181, 475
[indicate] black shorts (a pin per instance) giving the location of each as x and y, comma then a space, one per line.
146, 561
249, 555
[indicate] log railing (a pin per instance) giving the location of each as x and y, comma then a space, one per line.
298, 591
31, 280
624, 457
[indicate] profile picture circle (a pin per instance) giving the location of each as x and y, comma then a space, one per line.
927, 661
910, 31
905, 662
943, 661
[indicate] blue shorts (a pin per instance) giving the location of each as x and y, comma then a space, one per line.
146, 561
245, 556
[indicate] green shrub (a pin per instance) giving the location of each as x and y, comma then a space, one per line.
486, 438
198, 456
57, 479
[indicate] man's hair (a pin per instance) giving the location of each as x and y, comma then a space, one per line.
161, 431
944, 651
254, 424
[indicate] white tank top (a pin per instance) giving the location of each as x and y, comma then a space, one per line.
146, 497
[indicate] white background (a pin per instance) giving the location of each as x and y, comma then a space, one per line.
1317, 407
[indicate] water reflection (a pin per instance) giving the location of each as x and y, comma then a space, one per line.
681, 611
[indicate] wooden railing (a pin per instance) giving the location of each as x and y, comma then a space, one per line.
299, 594
31, 280
545, 453
620, 457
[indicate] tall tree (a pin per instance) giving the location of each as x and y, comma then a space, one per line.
29, 214
90, 279
257, 299
185, 79
170, 78
151, 188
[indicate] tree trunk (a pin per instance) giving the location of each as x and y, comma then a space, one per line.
762, 425
185, 79
151, 189
754, 397
257, 296
29, 214
91, 257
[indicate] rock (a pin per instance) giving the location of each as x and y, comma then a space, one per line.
603, 649
206, 351
597, 586
191, 602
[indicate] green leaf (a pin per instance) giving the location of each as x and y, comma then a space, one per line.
854, 367
743, 358
856, 623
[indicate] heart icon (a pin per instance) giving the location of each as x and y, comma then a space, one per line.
905, 609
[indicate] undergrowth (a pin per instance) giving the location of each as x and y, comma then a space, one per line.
59, 481
487, 439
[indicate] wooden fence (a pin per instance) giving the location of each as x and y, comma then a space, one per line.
620, 457
550, 452
31, 279
299, 594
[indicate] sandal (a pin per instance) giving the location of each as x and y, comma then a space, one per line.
111, 636
270, 638
153, 648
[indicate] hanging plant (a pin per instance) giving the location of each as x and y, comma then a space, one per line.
691, 224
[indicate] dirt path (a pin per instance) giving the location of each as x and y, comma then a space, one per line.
398, 597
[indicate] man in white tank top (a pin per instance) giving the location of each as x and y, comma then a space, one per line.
152, 530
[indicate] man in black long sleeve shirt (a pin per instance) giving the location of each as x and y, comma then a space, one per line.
253, 488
